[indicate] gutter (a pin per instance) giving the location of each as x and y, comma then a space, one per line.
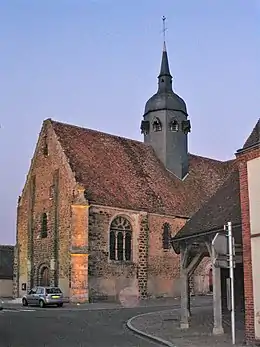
242, 150
174, 239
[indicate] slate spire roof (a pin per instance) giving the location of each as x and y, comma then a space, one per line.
165, 69
125, 173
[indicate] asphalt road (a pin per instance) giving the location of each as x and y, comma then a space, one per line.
53, 327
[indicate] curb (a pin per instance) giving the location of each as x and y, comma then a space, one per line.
153, 337
146, 335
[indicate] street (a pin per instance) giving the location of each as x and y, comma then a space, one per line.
53, 327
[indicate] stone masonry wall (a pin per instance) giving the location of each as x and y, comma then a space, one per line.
107, 278
50, 191
163, 265
246, 233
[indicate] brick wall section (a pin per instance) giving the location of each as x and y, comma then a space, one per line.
33, 250
246, 233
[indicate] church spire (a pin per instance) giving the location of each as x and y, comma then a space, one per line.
164, 78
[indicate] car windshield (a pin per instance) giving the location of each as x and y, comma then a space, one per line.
53, 290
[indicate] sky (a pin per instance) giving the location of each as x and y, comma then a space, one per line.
95, 64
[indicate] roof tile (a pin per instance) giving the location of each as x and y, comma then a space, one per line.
223, 207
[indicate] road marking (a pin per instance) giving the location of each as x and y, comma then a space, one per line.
17, 310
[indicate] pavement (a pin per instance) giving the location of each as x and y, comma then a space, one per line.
164, 327
104, 325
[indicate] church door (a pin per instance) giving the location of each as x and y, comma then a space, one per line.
44, 277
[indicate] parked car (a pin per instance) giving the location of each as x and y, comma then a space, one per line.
1, 305
44, 296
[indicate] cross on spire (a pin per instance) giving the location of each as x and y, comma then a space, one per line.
164, 28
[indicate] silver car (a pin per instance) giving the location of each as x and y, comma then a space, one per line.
44, 296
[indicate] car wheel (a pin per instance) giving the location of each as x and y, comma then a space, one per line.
41, 303
25, 303
60, 305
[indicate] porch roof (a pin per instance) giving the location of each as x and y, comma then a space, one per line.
223, 207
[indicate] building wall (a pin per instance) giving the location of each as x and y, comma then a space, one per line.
49, 188
244, 157
107, 278
163, 265
6, 288
152, 272
253, 172
200, 278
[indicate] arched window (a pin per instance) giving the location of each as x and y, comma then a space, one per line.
44, 228
157, 125
120, 239
174, 126
166, 236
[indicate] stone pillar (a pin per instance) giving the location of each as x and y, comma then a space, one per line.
79, 250
217, 305
142, 272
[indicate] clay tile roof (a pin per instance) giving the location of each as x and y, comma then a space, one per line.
6, 261
223, 207
125, 173
254, 137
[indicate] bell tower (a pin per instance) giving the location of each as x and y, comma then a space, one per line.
165, 124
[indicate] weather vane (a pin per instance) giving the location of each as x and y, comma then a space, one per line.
164, 27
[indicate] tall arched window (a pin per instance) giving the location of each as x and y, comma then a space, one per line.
120, 239
166, 236
44, 228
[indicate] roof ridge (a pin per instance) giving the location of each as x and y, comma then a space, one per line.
97, 131
129, 139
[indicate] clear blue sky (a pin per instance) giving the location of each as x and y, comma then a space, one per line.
95, 63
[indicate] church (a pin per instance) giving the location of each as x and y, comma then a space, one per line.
97, 212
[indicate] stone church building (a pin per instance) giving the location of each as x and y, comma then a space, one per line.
97, 211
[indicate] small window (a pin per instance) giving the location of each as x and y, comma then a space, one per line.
157, 125
166, 236
174, 126
45, 147
44, 229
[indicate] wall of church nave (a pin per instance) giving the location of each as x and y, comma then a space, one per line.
163, 262
109, 270
112, 288
44, 214
201, 279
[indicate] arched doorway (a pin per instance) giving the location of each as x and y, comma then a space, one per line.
44, 278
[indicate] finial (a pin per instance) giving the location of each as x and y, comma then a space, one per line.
164, 31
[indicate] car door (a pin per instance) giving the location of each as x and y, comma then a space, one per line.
31, 296
39, 293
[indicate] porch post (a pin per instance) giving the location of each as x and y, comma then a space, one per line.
184, 300
217, 305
